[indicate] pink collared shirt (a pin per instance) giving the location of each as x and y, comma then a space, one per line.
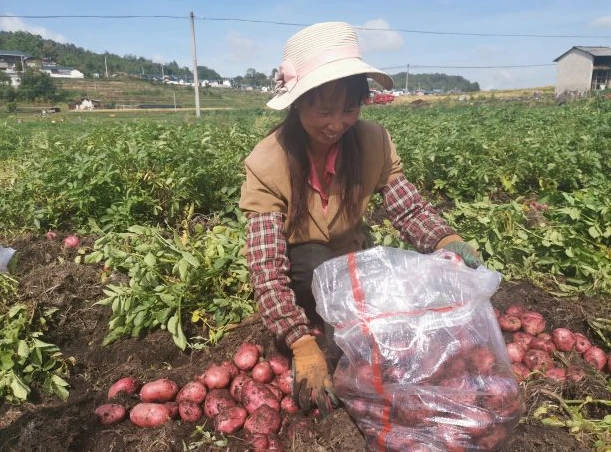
314, 181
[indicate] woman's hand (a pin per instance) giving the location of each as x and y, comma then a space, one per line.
311, 379
469, 255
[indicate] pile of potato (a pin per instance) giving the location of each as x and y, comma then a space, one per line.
531, 350
247, 393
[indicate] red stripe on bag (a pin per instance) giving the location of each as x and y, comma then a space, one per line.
359, 300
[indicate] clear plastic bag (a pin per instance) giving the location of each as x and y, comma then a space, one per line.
425, 366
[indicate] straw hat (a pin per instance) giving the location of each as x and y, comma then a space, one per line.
319, 54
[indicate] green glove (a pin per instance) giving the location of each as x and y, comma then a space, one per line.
467, 252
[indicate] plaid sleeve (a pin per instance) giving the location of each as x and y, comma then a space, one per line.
269, 266
413, 216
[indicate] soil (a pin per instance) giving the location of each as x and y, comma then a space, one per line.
49, 278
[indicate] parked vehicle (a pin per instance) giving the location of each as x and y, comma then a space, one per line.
377, 97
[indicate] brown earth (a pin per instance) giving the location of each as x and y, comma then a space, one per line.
49, 277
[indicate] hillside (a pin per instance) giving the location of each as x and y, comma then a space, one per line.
90, 63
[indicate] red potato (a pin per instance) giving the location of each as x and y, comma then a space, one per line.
556, 373
217, 377
190, 411
149, 415
51, 235
564, 339
217, 401
509, 323
262, 372
545, 336
230, 420
110, 413
516, 352
595, 356
288, 405
173, 408
575, 374
542, 344
582, 344
275, 390
193, 391
516, 309
482, 360
532, 322
257, 443
236, 386
538, 360
522, 339
129, 385
255, 395
247, 356
263, 421
520, 371
279, 364
161, 390
285, 382
71, 241
232, 368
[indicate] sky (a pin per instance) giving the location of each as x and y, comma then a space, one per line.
405, 32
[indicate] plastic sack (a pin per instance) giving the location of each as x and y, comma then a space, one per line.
5, 256
425, 366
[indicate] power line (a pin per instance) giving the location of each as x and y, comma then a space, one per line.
296, 24
417, 66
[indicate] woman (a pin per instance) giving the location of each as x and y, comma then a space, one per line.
307, 187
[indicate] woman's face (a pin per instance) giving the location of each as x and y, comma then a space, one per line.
326, 119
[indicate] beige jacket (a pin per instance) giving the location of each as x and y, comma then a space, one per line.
268, 189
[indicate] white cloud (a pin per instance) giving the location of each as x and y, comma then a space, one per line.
604, 21
503, 79
159, 59
16, 24
381, 39
241, 48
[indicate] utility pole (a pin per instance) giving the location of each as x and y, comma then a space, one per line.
162, 74
195, 80
106, 66
406, 79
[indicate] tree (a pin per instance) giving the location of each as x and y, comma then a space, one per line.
37, 85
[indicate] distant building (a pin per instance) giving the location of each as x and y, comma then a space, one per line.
583, 69
9, 59
61, 72
84, 103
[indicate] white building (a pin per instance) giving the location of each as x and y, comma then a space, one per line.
583, 69
62, 72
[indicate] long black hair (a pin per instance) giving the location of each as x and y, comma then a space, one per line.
294, 139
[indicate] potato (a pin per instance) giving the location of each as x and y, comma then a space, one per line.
497, 434
190, 411
216, 401
285, 382
516, 352
247, 356
129, 385
162, 390
110, 413
516, 309
193, 391
520, 371
538, 360
595, 356
522, 339
509, 323
279, 364
255, 394
262, 372
542, 344
173, 407
149, 415
275, 390
230, 420
564, 339
263, 421
274, 444
217, 377
482, 360
556, 373
235, 388
288, 405
582, 344
232, 368
532, 322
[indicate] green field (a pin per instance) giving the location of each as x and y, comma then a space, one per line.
156, 193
